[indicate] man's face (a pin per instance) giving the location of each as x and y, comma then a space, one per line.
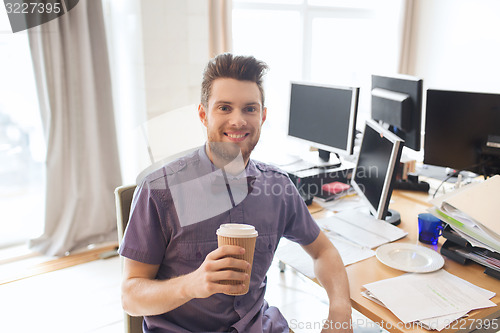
234, 118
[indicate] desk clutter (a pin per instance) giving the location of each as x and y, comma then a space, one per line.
473, 230
432, 300
353, 233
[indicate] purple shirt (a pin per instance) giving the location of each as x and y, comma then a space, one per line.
156, 235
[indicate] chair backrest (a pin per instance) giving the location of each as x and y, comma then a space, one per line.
123, 199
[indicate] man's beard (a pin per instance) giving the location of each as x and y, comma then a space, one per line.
226, 152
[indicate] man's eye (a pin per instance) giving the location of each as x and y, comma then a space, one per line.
251, 109
224, 108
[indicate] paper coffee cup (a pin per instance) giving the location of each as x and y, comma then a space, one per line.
243, 235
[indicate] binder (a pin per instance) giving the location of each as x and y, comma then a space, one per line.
481, 202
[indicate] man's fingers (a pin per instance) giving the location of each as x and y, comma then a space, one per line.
227, 263
226, 250
228, 289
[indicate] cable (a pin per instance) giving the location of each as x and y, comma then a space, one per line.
454, 174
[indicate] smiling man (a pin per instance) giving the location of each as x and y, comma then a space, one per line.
172, 265
233, 114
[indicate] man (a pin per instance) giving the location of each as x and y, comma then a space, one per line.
172, 264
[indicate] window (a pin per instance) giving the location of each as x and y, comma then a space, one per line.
22, 144
336, 42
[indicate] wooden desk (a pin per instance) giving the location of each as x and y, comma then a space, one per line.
410, 204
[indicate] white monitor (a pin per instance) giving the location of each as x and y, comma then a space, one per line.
375, 171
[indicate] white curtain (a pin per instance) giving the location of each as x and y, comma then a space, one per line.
405, 58
219, 23
72, 74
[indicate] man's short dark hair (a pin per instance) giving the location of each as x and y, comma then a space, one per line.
226, 65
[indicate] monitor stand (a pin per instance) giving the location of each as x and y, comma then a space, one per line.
323, 161
311, 161
325, 155
393, 217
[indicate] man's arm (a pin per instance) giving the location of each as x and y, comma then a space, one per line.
331, 273
143, 295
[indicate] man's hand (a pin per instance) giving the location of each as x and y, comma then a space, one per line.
218, 265
331, 273
143, 295
339, 321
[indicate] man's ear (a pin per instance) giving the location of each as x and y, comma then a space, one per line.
202, 113
264, 115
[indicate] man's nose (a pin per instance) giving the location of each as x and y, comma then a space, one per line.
238, 118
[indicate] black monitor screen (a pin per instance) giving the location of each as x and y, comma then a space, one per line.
397, 102
374, 175
325, 116
457, 127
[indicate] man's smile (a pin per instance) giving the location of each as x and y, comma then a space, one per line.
236, 137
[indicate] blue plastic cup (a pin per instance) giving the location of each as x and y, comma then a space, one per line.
429, 228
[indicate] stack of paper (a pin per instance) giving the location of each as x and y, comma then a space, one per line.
473, 211
433, 300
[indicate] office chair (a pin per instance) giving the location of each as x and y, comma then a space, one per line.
123, 199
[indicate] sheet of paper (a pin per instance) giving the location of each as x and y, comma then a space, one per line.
435, 323
413, 297
361, 229
369, 223
440, 323
349, 252
294, 255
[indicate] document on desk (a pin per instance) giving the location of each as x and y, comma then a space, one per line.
435, 298
294, 255
361, 228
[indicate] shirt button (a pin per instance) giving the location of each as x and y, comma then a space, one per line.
198, 255
238, 303
269, 247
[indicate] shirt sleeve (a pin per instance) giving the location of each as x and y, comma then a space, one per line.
144, 239
300, 225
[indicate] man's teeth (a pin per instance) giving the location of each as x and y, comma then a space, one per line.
236, 136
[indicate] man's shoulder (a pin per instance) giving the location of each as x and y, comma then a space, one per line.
265, 167
172, 168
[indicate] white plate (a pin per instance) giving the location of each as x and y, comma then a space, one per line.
410, 257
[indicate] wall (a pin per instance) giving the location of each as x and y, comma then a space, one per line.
456, 44
175, 48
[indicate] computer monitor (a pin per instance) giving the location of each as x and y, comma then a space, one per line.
324, 116
374, 175
462, 131
397, 102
